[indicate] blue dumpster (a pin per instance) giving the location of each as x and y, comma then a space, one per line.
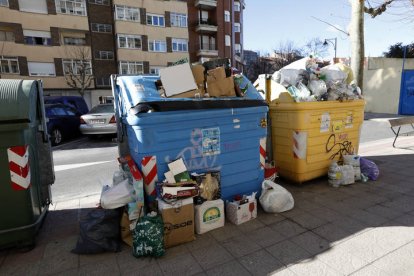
224, 134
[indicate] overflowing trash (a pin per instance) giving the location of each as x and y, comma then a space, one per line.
353, 169
306, 82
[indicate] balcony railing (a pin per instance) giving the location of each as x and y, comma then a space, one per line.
207, 47
206, 26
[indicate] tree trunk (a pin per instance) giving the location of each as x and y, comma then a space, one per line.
357, 41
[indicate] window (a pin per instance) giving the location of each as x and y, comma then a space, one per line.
131, 67
129, 41
179, 45
155, 20
41, 69
37, 38
104, 55
6, 36
236, 6
101, 28
9, 65
100, 2
228, 40
237, 48
74, 7
226, 16
126, 13
4, 3
178, 20
74, 41
237, 27
38, 6
157, 46
77, 67
203, 17
103, 81
155, 70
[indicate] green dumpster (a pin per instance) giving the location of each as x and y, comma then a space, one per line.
26, 164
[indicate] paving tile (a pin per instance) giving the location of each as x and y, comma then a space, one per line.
227, 232
326, 214
350, 225
307, 205
175, 251
128, 263
230, 268
201, 241
107, 267
89, 201
369, 270
383, 211
311, 242
265, 236
403, 203
268, 219
309, 221
152, 270
97, 258
212, 256
57, 256
288, 228
251, 226
333, 233
16, 256
406, 219
240, 246
367, 218
261, 263
398, 262
341, 260
283, 272
184, 264
21, 269
288, 252
313, 267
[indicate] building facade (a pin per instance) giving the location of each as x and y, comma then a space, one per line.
53, 40
216, 30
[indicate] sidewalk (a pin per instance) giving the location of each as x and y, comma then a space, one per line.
362, 229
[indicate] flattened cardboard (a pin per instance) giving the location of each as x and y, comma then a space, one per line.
190, 94
221, 88
216, 74
177, 79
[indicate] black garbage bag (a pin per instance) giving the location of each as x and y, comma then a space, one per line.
99, 232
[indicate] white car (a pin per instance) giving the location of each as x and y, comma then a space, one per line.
99, 120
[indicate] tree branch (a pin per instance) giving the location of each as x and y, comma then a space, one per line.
330, 25
378, 10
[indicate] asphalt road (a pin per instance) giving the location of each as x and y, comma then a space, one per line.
82, 165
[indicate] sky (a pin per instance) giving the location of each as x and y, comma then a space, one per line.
268, 23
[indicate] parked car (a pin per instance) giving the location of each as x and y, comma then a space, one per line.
63, 122
99, 120
76, 102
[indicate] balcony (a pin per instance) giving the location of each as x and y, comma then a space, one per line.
207, 50
206, 4
206, 26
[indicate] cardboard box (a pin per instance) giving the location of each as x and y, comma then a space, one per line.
177, 79
216, 74
190, 94
198, 73
178, 221
221, 88
126, 231
240, 213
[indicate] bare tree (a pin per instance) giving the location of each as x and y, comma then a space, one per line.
316, 47
285, 54
78, 72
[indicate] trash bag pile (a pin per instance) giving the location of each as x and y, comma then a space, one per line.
306, 82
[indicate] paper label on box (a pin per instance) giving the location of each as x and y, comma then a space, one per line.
349, 120
210, 141
211, 215
337, 126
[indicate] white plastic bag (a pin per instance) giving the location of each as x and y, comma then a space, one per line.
348, 175
335, 175
275, 198
354, 161
117, 196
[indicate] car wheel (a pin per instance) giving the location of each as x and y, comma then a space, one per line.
56, 137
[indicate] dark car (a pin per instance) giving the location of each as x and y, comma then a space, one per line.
76, 102
63, 122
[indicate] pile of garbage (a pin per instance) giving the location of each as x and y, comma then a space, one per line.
306, 82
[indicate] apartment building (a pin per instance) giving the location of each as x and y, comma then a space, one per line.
216, 30
48, 39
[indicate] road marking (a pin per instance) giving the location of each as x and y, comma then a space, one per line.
78, 165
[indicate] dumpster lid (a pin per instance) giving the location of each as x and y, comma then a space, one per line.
142, 89
18, 100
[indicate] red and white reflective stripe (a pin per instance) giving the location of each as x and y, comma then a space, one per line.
136, 174
299, 144
262, 152
149, 169
19, 167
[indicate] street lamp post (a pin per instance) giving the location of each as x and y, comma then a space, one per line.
333, 41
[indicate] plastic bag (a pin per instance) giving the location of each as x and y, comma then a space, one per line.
148, 237
99, 232
275, 198
369, 169
117, 196
354, 161
348, 175
333, 73
335, 175
318, 87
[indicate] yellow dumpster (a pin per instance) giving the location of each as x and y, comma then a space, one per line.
307, 136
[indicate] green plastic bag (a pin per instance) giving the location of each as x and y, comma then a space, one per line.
148, 237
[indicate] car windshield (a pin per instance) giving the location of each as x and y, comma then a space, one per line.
104, 108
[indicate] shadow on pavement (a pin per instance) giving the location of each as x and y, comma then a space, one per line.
100, 141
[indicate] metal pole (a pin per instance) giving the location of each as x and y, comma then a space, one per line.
335, 50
